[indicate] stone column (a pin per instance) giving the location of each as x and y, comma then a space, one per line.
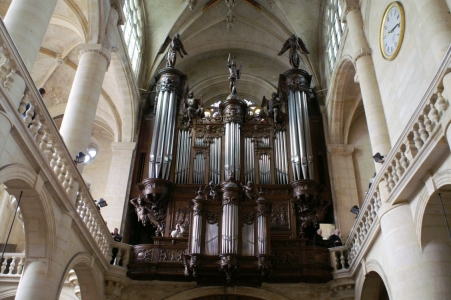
84, 97
434, 25
429, 268
375, 117
27, 22
5, 128
33, 284
344, 185
118, 179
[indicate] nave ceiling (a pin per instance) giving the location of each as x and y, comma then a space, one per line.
257, 35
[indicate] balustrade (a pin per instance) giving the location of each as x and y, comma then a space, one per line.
48, 141
12, 264
120, 254
398, 163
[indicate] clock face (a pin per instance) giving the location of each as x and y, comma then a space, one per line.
392, 30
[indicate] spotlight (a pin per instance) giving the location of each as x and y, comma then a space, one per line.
101, 203
79, 158
379, 158
355, 210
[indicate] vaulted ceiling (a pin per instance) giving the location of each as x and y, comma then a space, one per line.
257, 35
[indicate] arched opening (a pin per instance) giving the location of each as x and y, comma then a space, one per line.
374, 288
350, 148
81, 280
436, 243
358, 136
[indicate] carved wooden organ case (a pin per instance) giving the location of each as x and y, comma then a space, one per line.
248, 189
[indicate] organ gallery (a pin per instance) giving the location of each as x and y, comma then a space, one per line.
233, 192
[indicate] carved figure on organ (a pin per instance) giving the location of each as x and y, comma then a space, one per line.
141, 209
175, 45
193, 107
211, 191
295, 44
272, 107
235, 74
250, 190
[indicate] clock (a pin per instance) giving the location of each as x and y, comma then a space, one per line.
392, 30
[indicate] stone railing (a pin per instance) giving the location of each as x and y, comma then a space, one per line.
402, 163
339, 258
121, 255
46, 138
12, 264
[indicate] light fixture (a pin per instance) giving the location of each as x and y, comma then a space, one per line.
101, 203
79, 158
355, 210
378, 158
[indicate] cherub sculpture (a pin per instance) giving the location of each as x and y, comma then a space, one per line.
175, 45
211, 191
273, 107
193, 107
250, 190
295, 44
235, 74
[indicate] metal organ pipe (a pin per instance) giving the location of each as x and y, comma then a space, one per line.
307, 136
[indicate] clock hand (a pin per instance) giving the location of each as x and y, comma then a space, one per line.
393, 29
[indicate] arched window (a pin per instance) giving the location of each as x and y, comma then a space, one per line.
334, 29
132, 29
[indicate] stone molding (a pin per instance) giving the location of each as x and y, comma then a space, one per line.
350, 6
340, 149
123, 146
99, 50
361, 53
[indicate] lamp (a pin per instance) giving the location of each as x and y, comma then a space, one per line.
378, 158
355, 210
79, 158
101, 203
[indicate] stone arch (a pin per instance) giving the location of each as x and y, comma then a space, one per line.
432, 232
373, 286
129, 95
343, 95
216, 290
428, 216
8, 294
90, 279
35, 206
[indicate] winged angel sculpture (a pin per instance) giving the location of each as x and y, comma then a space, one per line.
175, 45
295, 44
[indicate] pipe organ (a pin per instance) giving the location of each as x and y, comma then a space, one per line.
248, 189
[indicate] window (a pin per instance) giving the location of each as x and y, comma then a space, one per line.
132, 30
333, 28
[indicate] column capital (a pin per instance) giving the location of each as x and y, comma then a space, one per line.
340, 149
99, 49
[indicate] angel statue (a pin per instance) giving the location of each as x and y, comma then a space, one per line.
193, 107
211, 191
175, 45
235, 74
250, 190
273, 106
294, 44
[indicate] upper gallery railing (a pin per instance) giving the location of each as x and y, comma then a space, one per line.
12, 264
47, 140
419, 137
